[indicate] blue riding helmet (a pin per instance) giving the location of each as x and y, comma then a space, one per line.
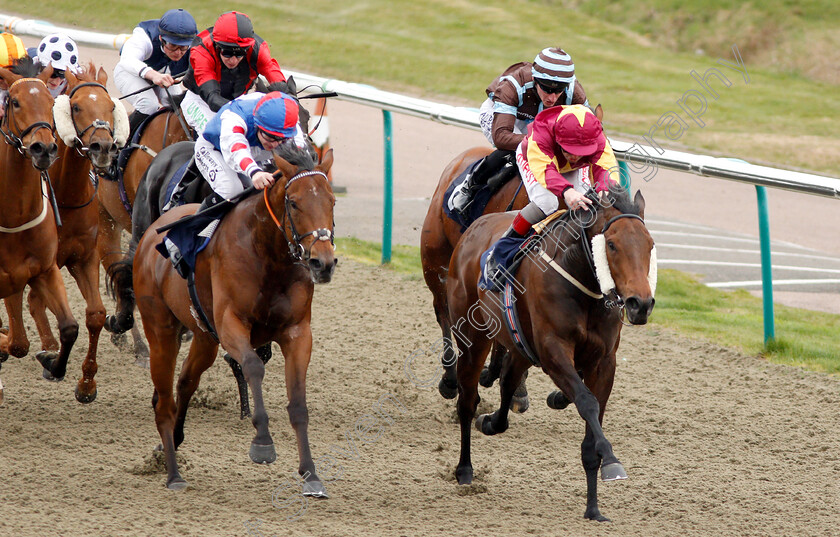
277, 114
177, 27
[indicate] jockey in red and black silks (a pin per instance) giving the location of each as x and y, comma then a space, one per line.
225, 61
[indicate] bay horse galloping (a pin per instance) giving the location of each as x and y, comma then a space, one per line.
91, 125
438, 238
255, 280
116, 200
561, 319
28, 235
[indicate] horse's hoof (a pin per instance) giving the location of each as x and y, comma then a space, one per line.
85, 397
613, 472
177, 484
557, 400
314, 489
49, 376
484, 425
447, 391
262, 454
141, 361
464, 475
486, 378
520, 404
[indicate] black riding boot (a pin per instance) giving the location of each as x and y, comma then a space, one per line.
487, 168
134, 121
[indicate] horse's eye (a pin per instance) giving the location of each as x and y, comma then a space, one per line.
611, 245
15, 103
293, 205
76, 108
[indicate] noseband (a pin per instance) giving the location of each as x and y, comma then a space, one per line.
98, 124
296, 249
16, 141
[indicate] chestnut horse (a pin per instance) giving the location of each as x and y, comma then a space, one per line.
566, 324
90, 125
161, 131
28, 234
255, 281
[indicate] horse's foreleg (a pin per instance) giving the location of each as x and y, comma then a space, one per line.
202, 354
236, 339
38, 310
164, 344
50, 287
87, 278
14, 341
596, 450
296, 344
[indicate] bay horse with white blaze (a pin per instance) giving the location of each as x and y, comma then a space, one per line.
566, 324
255, 280
91, 126
28, 234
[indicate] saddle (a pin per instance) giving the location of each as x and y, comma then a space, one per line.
481, 194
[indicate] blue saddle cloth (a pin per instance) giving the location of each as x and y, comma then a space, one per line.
191, 234
173, 183
509, 251
477, 204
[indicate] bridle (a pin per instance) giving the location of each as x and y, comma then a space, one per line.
588, 254
296, 249
98, 124
16, 140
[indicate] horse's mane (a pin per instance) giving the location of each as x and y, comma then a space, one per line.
619, 197
304, 159
566, 229
26, 67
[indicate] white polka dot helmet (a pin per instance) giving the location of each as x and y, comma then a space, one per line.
59, 51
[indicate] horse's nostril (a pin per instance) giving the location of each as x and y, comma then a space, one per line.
316, 265
53, 151
37, 148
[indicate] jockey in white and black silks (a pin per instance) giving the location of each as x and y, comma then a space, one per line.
157, 51
224, 64
514, 99
234, 145
62, 53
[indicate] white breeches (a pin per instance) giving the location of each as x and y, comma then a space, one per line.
485, 119
546, 200
146, 102
196, 112
224, 180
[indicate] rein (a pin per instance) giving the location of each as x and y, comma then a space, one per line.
16, 141
296, 249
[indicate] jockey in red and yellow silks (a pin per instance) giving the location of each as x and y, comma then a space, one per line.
561, 143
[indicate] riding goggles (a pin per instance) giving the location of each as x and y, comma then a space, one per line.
229, 52
57, 73
550, 86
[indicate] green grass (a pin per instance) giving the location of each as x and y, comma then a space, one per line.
445, 50
805, 338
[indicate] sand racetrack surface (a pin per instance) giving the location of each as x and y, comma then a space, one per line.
714, 443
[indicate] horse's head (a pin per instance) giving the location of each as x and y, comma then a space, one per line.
304, 197
28, 125
89, 119
624, 254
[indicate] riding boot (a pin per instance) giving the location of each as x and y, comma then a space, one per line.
134, 121
493, 271
478, 178
178, 194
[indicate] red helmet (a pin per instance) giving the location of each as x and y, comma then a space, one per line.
578, 131
234, 29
